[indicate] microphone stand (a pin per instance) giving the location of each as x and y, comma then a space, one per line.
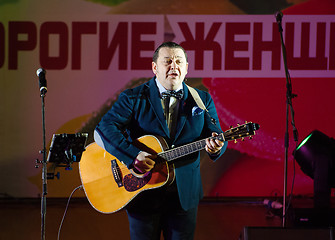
43, 90
289, 107
44, 169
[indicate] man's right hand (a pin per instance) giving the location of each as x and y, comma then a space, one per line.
144, 162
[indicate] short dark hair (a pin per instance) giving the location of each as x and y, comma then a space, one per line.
168, 45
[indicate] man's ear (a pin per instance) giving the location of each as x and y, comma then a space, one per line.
154, 67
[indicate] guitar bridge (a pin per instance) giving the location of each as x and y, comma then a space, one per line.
116, 173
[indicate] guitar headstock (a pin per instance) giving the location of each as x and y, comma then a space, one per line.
241, 131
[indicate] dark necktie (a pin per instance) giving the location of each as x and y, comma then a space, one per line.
173, 93
166, 97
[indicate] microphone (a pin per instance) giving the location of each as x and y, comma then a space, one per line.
279, 16
42, 81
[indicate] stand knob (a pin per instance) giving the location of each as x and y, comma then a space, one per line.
37, 162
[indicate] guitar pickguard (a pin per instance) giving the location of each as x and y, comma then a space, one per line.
132, 183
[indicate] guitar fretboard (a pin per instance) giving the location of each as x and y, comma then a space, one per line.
245, 130
184, 150
178, 152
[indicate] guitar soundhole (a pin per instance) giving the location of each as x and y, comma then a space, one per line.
132, 183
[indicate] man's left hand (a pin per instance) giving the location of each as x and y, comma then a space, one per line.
213, 145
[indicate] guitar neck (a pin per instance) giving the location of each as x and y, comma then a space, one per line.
182, 151
240, 132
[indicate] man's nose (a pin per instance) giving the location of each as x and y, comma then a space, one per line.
173, 64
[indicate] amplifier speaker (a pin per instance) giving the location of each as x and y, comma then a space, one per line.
277, 233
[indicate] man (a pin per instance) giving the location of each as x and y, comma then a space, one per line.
148, 109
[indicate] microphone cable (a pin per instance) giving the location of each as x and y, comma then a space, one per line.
67, 206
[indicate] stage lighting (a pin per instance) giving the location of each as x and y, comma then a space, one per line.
317, 146
316, 157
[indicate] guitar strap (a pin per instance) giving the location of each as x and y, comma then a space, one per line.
197, 98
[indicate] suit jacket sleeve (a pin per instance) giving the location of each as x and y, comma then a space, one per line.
110, 133
212, 124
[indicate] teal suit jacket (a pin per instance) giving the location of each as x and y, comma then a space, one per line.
139, 112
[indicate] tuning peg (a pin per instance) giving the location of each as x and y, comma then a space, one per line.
235, 141
250, 137
242, 139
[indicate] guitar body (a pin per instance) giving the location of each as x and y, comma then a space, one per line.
109, 185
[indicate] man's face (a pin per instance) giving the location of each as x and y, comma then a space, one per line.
171, 67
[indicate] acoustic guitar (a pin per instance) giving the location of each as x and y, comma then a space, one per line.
109, 185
